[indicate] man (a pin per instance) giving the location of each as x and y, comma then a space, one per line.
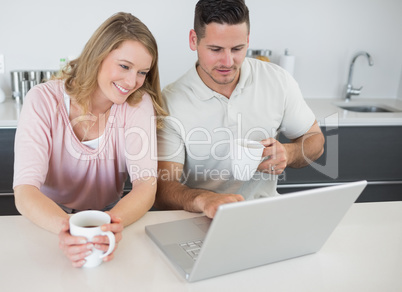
226, 96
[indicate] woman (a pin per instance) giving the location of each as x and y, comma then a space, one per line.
79, 135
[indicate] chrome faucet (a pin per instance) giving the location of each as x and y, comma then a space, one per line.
349, 87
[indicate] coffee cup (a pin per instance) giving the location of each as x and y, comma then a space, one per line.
247, 155
88, 224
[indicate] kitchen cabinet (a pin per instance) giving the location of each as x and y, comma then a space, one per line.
354, 153
7, 206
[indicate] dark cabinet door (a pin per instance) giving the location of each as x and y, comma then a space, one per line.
6, 160
356, 153
7, 206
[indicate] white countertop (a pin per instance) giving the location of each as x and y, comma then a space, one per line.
9, 113
364, 253
327, 113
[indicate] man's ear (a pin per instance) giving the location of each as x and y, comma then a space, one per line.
193, 40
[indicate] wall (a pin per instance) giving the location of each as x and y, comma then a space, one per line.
323, 35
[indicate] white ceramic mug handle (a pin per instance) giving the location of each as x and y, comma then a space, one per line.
112, 243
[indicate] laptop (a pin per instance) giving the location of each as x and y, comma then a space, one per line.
253, 233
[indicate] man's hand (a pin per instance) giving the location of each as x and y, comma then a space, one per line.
298, 153
277, 157
209, 202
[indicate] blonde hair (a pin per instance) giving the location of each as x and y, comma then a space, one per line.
81, 74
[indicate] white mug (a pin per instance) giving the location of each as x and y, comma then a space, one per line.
246, 156
88, 224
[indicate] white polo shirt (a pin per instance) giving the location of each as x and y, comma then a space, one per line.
202, 124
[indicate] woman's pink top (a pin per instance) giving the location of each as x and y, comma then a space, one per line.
50, 157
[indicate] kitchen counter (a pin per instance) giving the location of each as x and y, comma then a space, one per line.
9, 113
327, 113
363, 253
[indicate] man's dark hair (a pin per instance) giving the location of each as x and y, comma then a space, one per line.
220, 11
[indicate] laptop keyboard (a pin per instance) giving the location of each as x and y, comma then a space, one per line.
192, 248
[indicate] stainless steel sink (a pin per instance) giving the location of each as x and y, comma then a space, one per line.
367, 109
362, 107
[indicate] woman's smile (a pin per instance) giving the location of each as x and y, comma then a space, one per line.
121, 89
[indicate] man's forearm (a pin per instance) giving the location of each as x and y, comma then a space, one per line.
173, 195
305, 149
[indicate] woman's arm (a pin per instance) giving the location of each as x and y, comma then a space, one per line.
137, 202
45, 213
128, 210
38, 208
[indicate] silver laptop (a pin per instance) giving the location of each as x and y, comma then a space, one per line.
248, 234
